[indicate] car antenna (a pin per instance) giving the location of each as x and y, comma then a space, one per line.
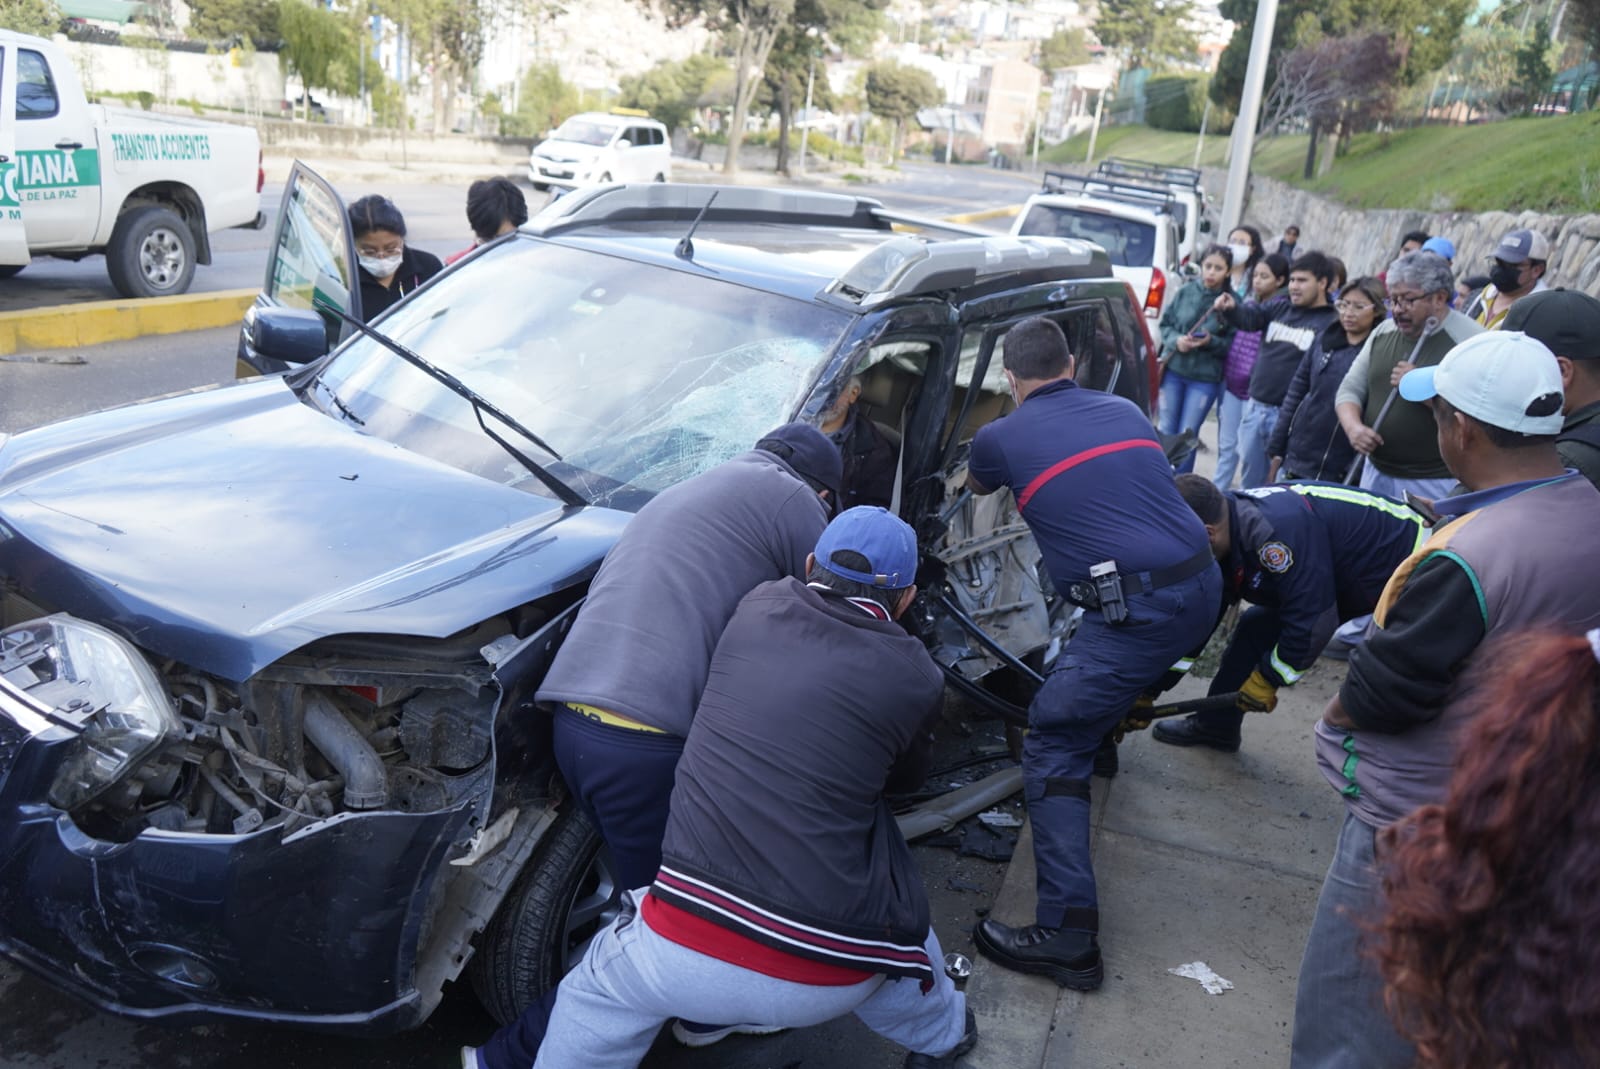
685, 249
479, 404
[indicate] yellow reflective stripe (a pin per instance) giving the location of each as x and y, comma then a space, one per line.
1289, 676
616, 720
1362, 498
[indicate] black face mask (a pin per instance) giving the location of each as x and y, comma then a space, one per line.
1505, 276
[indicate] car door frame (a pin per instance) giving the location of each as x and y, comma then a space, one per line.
13, 232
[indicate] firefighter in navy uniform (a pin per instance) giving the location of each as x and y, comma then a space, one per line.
1307, 556
1095, 488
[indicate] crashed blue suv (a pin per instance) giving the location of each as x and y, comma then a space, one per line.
267, 651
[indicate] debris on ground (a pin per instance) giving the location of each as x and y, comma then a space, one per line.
999, 818
1199, 970
991, 844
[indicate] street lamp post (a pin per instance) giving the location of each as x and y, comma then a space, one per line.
811, 80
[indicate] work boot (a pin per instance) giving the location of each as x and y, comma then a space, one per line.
1106, 761
1191, 732
1070, 958
947, 1059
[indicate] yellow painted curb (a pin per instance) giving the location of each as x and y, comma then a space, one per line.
980, 216
93, 322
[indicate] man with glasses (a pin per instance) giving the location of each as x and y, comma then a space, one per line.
1402, 453
1516, 269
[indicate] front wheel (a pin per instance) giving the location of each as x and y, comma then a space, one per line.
11, 270
151, 253
564, 896
541, 187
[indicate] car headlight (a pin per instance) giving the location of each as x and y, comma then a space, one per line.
103, 686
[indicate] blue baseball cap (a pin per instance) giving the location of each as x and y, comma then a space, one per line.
884, 539
1441, 246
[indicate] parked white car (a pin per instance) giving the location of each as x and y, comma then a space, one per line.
1184, 185
599, 147
78, 178
1139, 233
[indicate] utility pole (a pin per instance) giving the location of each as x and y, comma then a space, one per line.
1094, 131
1244, 127
949, 142
1200, 142
811, 79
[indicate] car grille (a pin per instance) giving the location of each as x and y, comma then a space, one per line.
11, 739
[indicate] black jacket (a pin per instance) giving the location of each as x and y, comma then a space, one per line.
416, 267
869, 465
1287, 334
812, 711
1307, 435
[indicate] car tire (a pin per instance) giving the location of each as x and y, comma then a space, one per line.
605, 178
11, 270
540, 187
151, 253
659, 177
564, 895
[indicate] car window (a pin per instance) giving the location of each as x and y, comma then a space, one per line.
638, 375
309, 265
1132, 358
1128, 242
584, 132
36, 90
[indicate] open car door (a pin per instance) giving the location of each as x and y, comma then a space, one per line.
13, 238
312, 263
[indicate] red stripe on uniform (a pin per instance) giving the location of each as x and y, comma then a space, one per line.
1078, 458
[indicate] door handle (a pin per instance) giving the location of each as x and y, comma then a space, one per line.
69, 145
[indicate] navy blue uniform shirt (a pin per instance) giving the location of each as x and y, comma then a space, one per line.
1306, 547
1091, 481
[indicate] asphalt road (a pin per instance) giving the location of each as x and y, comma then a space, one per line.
436, 221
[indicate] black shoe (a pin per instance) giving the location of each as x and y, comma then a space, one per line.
1189, 732
948, 1059
1070, 958
1106, 762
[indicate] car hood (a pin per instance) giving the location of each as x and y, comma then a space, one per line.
228, 527
567, 151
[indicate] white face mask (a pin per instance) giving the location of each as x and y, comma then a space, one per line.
1241, 254
380, 267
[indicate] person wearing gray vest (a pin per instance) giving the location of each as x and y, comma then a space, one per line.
1516, 551
1402, 453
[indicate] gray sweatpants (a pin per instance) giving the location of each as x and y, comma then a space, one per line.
632, 981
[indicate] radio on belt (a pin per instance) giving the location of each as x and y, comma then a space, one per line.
1108, 588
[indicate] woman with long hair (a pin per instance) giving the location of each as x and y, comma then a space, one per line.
1271, 274
1194, 344
1245, 250
1490, 940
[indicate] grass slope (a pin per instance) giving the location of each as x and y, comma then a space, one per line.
1541, 164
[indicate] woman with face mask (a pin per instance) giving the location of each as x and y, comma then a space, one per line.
1245, 250
389, 268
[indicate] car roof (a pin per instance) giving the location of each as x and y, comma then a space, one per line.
606, 118
839, 249
1121, 209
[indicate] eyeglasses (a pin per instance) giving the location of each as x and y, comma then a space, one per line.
389, 250
1401, 304
1348, 306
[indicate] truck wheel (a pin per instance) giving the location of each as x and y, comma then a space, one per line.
540, 187
151, 253
11, 270
563, 897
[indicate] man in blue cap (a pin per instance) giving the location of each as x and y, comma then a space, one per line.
624, 685
786, 893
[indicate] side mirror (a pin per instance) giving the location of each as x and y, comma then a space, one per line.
293, 335
624, 143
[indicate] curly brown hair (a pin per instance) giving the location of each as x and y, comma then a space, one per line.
1490, 942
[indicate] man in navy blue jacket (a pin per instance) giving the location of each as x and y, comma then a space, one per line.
1307, 556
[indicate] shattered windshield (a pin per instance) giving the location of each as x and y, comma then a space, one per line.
639, 376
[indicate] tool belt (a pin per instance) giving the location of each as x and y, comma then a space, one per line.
1082, 591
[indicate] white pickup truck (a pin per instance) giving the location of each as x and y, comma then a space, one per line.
79, 178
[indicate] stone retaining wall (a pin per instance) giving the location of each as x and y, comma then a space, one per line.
1367, 240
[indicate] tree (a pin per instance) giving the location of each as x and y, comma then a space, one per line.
1333, 83
38, 17
234, 20
545, 101
753, 25
315, 42
1064, 48
1150, 33
851, 26
671, 91
897, 92
1585, 19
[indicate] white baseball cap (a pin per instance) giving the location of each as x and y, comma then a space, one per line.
1501, 377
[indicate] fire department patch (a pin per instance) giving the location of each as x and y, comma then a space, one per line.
1275, 557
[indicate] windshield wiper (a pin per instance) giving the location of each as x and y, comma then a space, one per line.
344, 409
479, 404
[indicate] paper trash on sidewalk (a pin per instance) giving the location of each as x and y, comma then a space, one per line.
1199, 970
999, 818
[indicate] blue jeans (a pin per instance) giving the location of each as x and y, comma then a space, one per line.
632, 981
1339, 1020
1230, 408
1184, 404
1092, 686
1255, 427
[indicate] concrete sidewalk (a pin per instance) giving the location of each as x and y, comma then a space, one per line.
1199, 856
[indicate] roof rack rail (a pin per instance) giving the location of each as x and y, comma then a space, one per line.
905, 266
1122, 166
668, 202
1159, 198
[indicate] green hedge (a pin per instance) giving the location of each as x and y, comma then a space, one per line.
1176, 101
